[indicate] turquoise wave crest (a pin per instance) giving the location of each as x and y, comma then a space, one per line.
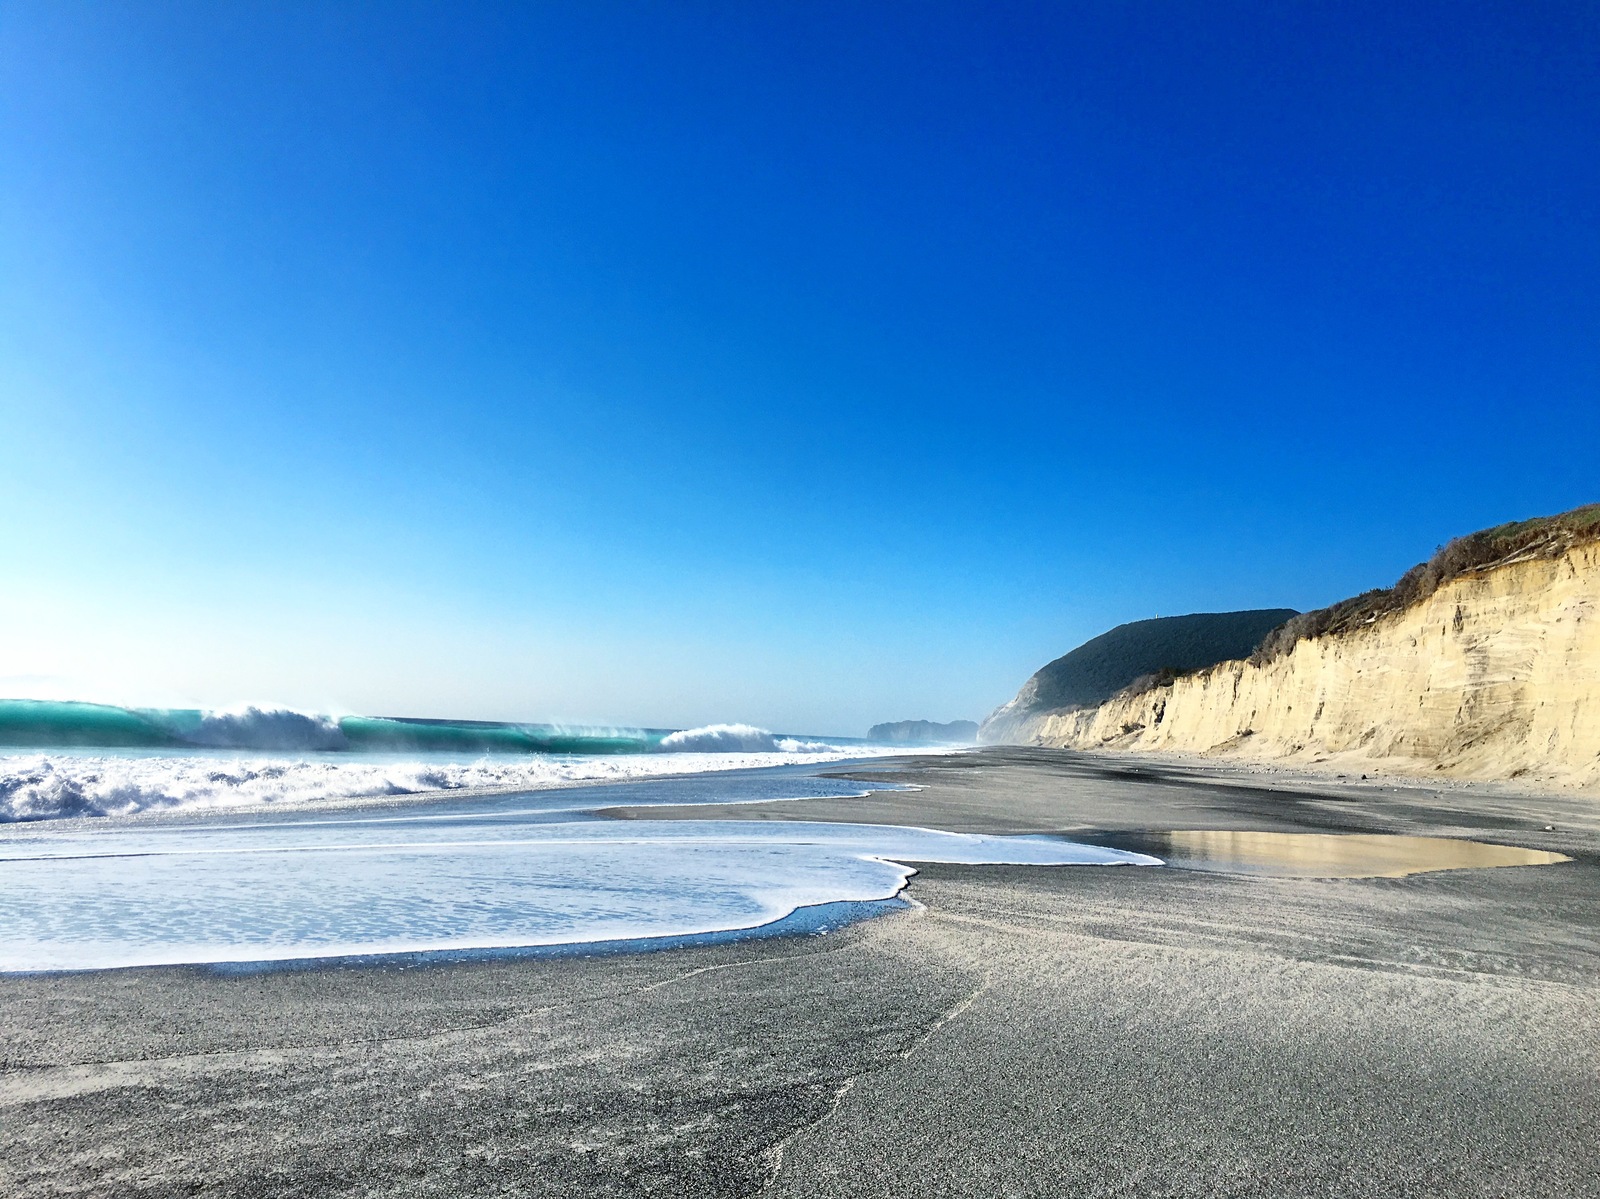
74, 724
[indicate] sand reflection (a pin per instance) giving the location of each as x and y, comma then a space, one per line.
1336, 855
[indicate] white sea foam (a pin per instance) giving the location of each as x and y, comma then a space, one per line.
252, 727
230, 891
737, 738
54, 785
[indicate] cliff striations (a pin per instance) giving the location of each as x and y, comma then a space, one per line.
1485, 670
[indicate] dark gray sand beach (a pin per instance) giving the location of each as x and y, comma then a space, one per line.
1026, 1031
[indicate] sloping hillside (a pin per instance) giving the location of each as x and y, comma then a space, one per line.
1483, 662
1099, 668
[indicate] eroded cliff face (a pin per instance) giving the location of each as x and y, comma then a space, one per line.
1494, 676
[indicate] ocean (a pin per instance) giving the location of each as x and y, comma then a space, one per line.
70, 759
142, 837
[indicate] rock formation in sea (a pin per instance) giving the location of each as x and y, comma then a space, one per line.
956, 732
1483, 662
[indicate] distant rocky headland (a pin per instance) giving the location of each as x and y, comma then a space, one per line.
1104, 665
956, 732
1482, 662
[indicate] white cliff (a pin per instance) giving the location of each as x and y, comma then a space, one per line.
1494, 675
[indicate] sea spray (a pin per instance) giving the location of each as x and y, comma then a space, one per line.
101, 760
250, 727
70, 724
738, 738
55, 786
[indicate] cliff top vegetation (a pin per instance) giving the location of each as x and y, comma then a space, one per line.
1487, 549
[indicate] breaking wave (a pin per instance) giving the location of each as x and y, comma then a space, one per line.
43, 724
737, 739
266, 728
56, 786
82, 759
48, 724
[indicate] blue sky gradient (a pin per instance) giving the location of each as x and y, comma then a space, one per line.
805, 364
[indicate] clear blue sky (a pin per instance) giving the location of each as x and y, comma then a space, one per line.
806, 364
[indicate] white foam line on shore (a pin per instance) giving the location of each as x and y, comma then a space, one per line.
264, 900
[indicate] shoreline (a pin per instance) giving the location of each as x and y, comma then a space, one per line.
1022, 1030
458, 878
1213, 794
404, 800
74, 785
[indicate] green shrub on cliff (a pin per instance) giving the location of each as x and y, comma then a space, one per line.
1518, 541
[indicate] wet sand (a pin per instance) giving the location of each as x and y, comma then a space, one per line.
1027, 1032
